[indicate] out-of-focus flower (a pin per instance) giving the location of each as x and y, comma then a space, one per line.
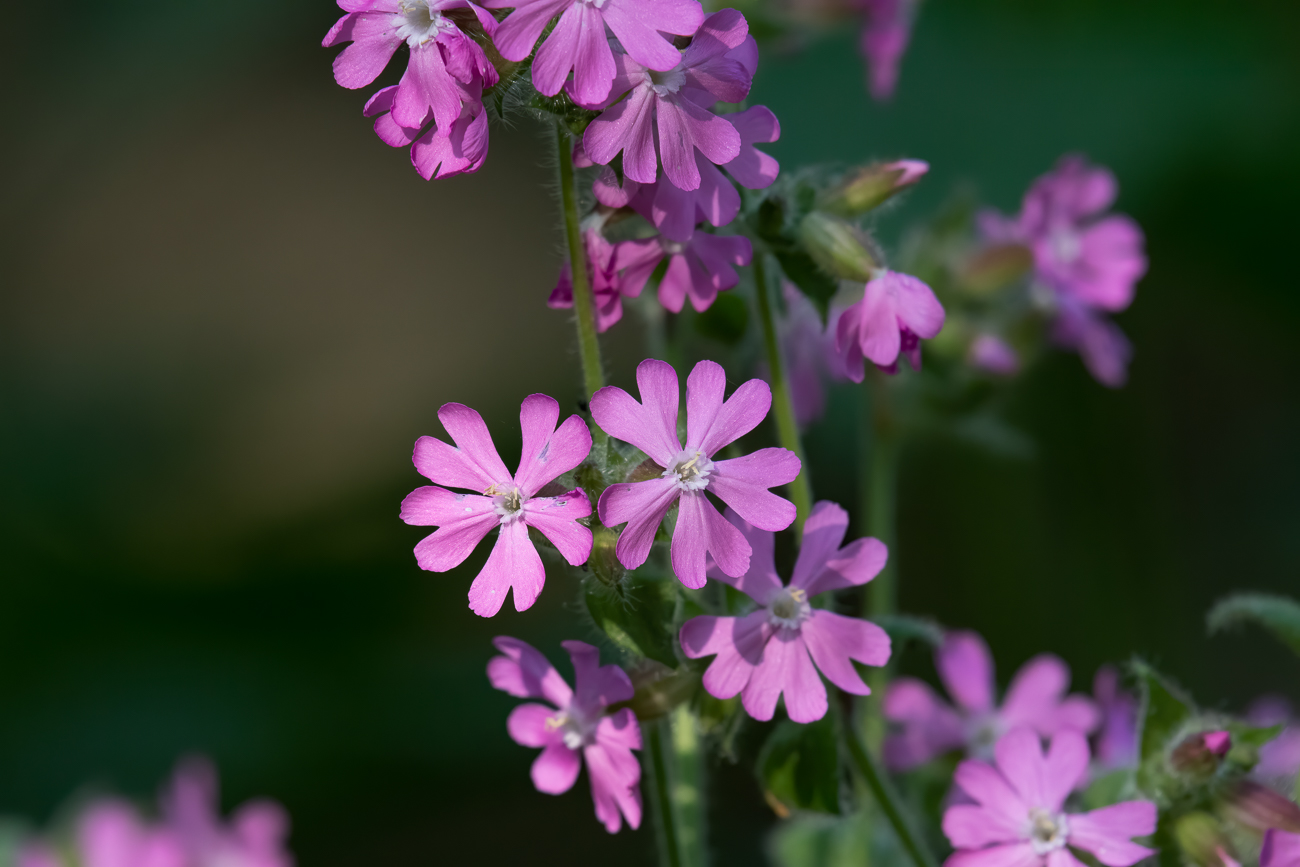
669, 108
1018, 818
886, 30
810, 354
779, 648
254, 837
500, 500
698, 268
579, 42
1117, 741
605, 283
576, 726
690, 472
1105, 351
110, 833
992, 354
896, 312
929, 727
1279, 759
1281, 849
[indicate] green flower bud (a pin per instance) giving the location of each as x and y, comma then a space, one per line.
871, 186
1200, 837
840, 249
603, 562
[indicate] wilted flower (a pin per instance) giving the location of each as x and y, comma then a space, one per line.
690, 472
1018, 819
779, 648
928, 727
896, 312
500, 499
576, 726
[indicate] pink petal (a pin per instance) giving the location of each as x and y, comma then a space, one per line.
916, 305
712, 423
879, 337
1020, 759
683, 126
718, 33
760, 581
523, 672
1065, 858
1066, 768
822, 534
929, 727
533, 725
1113, 258
992, 791
557, 518
752, 168
1035, 692
785, 668
642, 506
738, 644
966, 669
615, 776
462, 520
548, 453
556, 769
447, 465
578, 42
1107, 832
514, 562
462, 149
426, 85
678, 282
472, 439
702, 530
619, 730
1280, 849
639, 257
637, 23
834, 640
854, 565
1010, 855
519, 32
374, 39
596, 686
650, 425
742, 484
628, 126
969, 826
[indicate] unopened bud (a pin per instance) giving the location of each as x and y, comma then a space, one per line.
603, 562
1259, 807
871, 186
1199, 754
1201, 838
656, 697
839, 248
995, 267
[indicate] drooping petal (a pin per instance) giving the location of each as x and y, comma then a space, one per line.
615, 776
427, 85
760, 581
548, 453
462, 149
834, 640
534, 725
738, 643
1010, 855
742, 483
557, 518
1280, 849
650, 425
472, 439
702, 530
1108, 832
642, 505
785, 668
915, 304
628, 126
596, 686
966, 669
878, 334
523, 672
712, 423
556, 770
578, 42
514, 563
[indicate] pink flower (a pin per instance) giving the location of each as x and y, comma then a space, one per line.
780, 647
692, 472
1105, 351
895, 313
110, 833
579, 43
575, 724
1018, 818
1281, 849
809, 353
500, 499
928, 727
1279, 759
605, 283
254, 837
1117, 740
990, 353
444, 59
668, 108
441, 153
698, 268
886, 29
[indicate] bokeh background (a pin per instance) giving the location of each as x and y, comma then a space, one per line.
227, 311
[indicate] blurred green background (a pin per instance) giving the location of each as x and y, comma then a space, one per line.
228, 311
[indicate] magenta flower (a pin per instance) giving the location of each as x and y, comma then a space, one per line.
779, 648
500, 500
576, 726
1279, 759
809, 353
992, 354
1117, 739
110, 833
441, 153
444, 59
667, 108
605, 282
1105, 351
579, 41
886, 30
1018, 818
692, 472
896, 312
1280, 849
928, 727
698, 268
254, 837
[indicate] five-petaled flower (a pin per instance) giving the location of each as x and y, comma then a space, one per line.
779, 648
1018, 819
691, 472
576, 726
500, 500
926, 726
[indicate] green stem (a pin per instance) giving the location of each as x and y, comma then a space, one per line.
888, 799
593, 374
878, 489
670, 854
786, 427
688, 787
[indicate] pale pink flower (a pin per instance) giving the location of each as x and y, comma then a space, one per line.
886, 30
779, 648
579, 42
1018, 818
1281, 849
992, 354
692, 472
926, 726
896, 312
111, 833
500, 500
254, 836
576, 726
698, 268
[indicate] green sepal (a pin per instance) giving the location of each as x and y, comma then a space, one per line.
799, 766
638, 615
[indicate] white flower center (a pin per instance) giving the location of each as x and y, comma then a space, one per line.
599, 4
664, 83
1066, 245
982, 732
420, 23
672, 248
691, 470
789, 609
507, 502
575, 730
1047, 831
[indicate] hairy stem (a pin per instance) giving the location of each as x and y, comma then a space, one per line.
670, 853
593, 374
888, 799
782, 403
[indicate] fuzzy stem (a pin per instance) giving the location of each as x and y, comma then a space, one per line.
786, 427
670, 854
888, 799
593, 374
688, 788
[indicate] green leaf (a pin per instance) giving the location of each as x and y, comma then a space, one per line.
1106, 789
726, 319
1164, 709
811, 840
799, 766
1280, 615
638, 615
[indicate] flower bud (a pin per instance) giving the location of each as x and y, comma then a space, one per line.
871, 186
839, 248
995, 267
1260, 808
603, 562
1199, 754
1201, 839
